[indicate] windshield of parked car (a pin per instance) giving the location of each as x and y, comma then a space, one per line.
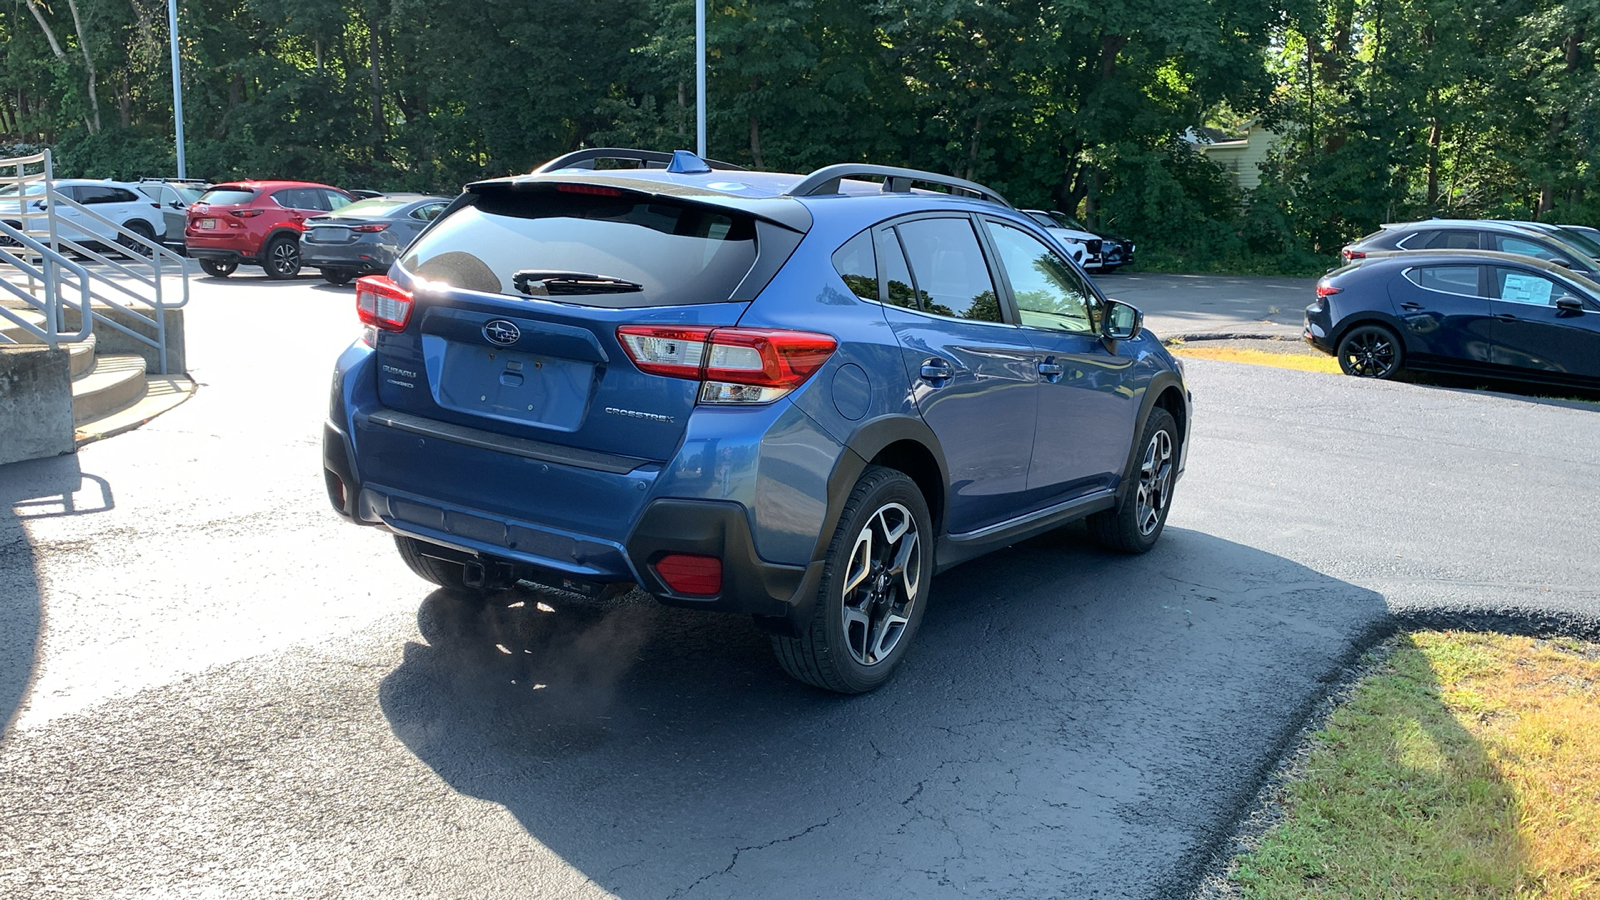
226, 196
31, 189
1581, 241
1065, 221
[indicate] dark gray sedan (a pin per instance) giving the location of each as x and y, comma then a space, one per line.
366, 236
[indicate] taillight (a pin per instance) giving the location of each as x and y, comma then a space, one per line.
733, 365
691, 573
1349, 254
382, 303
1324, 289
369, 229
245, 213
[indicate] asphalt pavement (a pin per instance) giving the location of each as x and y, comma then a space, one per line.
1210, 306
218, 688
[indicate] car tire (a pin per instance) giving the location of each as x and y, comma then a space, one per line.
218, 268
1136, 523
132, 248
337, 276
1370, 351
875, 581
281, 258
441, 572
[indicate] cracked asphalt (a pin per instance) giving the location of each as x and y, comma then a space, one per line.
216, 688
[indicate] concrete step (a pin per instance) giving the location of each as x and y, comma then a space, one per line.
163, 393
81, 356
115, 382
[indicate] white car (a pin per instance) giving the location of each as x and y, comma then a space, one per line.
117, 201
1084, 246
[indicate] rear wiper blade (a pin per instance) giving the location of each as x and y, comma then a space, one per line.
542, 283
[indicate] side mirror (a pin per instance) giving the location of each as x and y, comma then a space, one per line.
1122, 322
1569, 303
1565, 264
39, 204
176, 204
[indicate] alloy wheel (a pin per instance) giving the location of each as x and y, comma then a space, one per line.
1155, 482
286, 257
882, 584
1370, 355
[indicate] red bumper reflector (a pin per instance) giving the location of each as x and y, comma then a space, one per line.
687, 573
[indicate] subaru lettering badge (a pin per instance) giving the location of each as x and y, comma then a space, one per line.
501, 332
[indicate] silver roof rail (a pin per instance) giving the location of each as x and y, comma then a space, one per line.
895, 180
585, 159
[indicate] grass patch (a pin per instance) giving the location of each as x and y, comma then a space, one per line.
1462, 765
1300, 361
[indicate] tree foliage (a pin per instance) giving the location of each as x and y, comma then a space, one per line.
1388, 109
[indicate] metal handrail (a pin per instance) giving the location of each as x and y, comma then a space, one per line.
53, 334
895, 181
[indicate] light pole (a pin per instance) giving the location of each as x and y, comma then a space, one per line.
177, 84
699, 77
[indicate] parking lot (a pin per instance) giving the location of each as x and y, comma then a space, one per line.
218, 687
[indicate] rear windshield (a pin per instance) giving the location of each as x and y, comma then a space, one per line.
228, 196
376, 206
631, 249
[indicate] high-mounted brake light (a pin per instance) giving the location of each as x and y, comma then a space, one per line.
588, 189
382, 303
1325, 289
733, 365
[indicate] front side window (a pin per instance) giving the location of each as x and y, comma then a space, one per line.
1447, 279
1049, 292
951, 275
333, 200
1519, 286
1507, 244
858, 267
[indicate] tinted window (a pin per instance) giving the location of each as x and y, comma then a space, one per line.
1580, 240
1508, 244
1453, 240
1520, 286
896, 274
1449, 279
95, 194
951, 276
1049, 293
856, 264
677, 253
299, 198
228, 196
1416, 240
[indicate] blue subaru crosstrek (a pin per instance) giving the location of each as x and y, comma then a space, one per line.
795, 397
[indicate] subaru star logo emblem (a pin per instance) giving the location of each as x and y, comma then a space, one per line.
501, 332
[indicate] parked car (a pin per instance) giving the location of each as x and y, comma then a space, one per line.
1471, 311
1472, 234
256, 223
119, 202
1083, 246
1592, 234
1590, 245
366, 236
173, 196
682, 378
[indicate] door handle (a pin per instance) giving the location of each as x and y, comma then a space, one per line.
1412, 307
1051, 371
937, 371
1506, 317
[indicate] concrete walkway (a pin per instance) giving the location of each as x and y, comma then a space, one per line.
1192, 306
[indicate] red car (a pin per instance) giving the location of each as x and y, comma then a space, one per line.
257, 223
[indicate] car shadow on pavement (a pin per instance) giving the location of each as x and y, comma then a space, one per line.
1070, 722
36, 489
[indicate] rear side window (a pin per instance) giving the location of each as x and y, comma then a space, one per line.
951, 275
631, 249
94, 194
430, 212
1448, 279
858, 267
227, 196
1453, 240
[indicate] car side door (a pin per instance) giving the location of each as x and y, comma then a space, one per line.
1085, 390
972, 372
1445, 311
1532, 335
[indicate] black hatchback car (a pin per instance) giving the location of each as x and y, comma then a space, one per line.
1497, 314
1473, 234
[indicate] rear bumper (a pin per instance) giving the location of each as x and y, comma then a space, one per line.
1318, 330
364, 259
220, 255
